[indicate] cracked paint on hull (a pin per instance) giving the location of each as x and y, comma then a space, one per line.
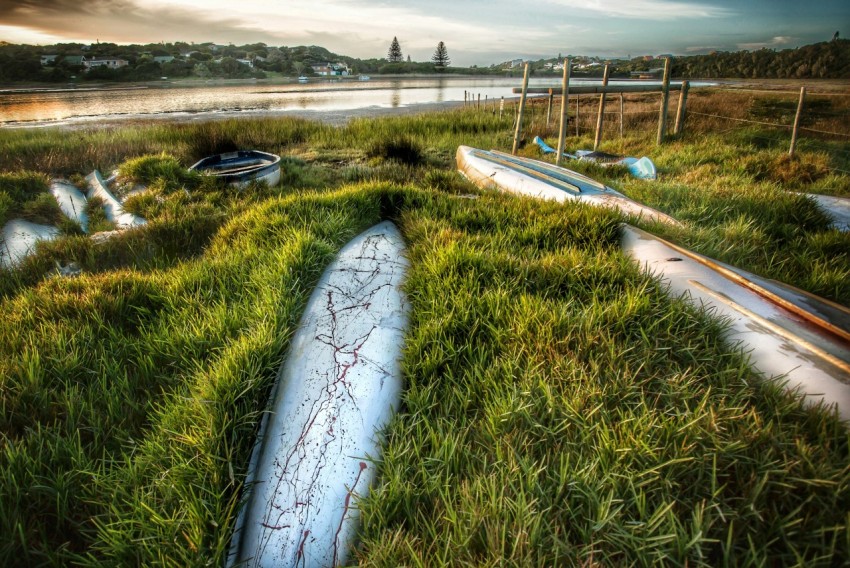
338, 388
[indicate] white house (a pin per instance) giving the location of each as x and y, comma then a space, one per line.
110, 62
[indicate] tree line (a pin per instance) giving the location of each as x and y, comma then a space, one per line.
22, 63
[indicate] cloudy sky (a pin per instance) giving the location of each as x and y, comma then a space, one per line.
475, 31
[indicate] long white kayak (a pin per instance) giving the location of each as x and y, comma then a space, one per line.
789, 334
71, 201
525, 176
18, 239
111, 206
338, 388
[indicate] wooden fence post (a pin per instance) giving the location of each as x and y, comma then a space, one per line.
680, 112
665, 99
501, 107
518, 130
549, 108
578, 109
797, 121
565, 103
622, 109
598, 137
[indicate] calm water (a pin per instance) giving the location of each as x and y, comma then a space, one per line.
85, 105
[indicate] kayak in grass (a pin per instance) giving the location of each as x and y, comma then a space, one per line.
642, 168
534, 178
336, 391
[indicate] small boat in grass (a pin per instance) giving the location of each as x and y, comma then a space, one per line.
838, 209
242, 167
641, 168
336, 391
71, 201
111, 206
789, 335
18, 239
547, 181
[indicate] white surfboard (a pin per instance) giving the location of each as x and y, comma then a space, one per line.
18, 239
111, 206
338, 388
71, 201
780, 341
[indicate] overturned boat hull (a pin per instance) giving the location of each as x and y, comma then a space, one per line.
789, 334
534, 178
337, 389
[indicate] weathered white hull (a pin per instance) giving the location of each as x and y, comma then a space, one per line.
19, 238
781, 342
71, 201
338, 388
836, 207
111, 206
542, 180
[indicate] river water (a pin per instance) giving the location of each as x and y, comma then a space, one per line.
318, 97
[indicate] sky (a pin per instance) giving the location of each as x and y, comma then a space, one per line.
476, 32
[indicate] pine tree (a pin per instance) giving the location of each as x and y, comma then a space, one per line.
441, 57
394, 54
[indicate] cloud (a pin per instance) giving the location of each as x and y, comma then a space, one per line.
121, 21
776, 41
658, 10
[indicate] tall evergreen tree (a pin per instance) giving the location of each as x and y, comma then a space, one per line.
441, 56
394, 54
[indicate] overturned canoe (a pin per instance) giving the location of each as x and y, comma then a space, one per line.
18, 239
242, 167
337, 389
534, 178
789, 334
111, 206
71, 201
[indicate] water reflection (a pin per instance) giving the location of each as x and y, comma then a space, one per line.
395, 99
39, 108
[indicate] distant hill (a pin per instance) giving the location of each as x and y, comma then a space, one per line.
62, 62
825, 60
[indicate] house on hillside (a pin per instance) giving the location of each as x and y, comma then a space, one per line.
163, 59
48, 59
109, 62
331, 69
248, 62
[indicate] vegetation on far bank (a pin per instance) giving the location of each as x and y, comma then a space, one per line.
559, 408
23, 63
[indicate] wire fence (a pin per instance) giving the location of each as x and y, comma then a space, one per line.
820, 122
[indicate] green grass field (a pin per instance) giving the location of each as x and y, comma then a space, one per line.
559, 407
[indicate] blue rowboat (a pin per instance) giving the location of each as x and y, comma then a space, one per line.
242, 167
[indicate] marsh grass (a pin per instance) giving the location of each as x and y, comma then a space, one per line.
559, 409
